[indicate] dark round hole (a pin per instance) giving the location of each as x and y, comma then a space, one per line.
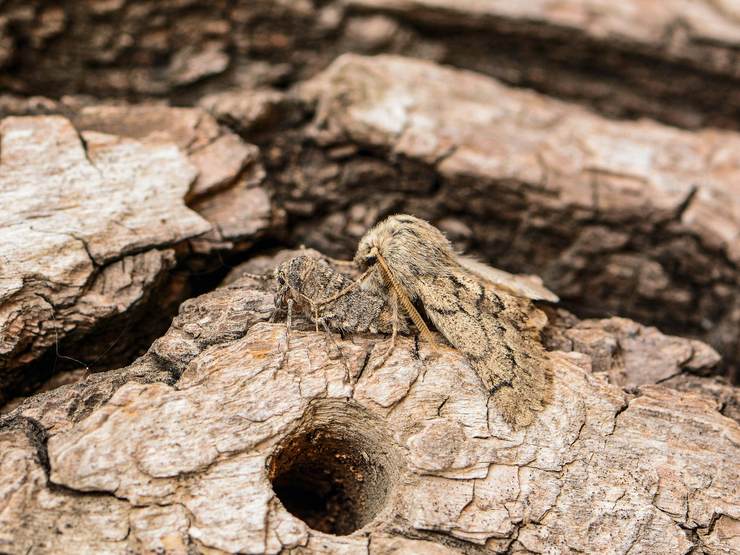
332, 473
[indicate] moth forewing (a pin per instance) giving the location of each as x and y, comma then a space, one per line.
497, 331
518, 285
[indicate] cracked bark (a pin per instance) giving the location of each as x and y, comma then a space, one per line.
74, 249
218, 440
512, 175
664, 60
178, 450
94, 238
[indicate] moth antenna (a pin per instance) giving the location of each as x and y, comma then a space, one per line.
264, 277
338, 262
405, 301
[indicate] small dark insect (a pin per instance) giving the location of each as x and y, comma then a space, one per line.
328, 297
334, 302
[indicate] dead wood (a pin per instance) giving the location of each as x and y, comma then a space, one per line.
216, 441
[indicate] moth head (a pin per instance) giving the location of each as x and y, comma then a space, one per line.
404, 237
376, 242
367, 253
367, 259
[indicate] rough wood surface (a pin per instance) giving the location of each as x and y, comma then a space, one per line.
77, 249
232, 129
634, 218
674, 60
85, 231
228, 191
177, 451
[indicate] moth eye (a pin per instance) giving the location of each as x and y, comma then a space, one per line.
280, 280
370, 259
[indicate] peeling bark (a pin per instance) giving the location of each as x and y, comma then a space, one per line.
631, 218
204, 442
87, 224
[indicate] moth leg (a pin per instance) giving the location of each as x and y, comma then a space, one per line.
315, 310
280, 304
393, 301
347, 373
288, 325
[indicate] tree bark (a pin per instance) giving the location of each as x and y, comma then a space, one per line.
207, 441
663, 60
304, 123
630, 218
86, 230
95, 220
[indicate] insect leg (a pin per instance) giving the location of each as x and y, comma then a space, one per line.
279, 306
273, 315
339, 350
393, 300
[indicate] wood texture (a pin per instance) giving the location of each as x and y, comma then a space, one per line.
673, 60
85, 230
176, 451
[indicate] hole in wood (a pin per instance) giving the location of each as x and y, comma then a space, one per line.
336, 470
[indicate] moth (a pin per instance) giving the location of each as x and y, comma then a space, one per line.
331, 299
487, 317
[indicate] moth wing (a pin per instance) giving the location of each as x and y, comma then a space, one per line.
499, 334
518, 284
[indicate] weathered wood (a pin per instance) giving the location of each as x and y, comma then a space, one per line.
672, 60
86, 227
76, 200
182, 456
630, 218
228, 191
632, 58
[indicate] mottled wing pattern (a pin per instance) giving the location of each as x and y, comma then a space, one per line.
517, 284
499, 333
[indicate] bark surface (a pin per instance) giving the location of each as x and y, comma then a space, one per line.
673, 60
629, 218
226, 135
86, 230
202, 444
96, 222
